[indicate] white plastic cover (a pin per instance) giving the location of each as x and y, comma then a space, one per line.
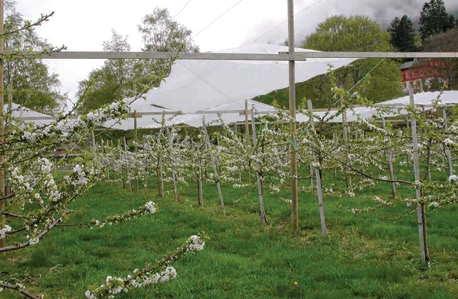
195, 85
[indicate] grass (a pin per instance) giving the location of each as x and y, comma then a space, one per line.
364, 256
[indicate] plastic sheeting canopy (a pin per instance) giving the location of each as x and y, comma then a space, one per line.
196, 85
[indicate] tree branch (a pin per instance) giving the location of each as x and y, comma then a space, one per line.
29, 25
25, 244
18, 289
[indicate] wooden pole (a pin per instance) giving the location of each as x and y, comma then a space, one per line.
8, 189
421, 217
135, 125
447, 148
174, 176
127, 164
214, 166
390, 163
259, 176
2, 121
292, 111
335, 140
145, 183
94, 147
311, 177
160, 160
348, 181
200, 196
319, 189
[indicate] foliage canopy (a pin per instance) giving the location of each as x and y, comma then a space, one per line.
122, 78
435, 19
402, 34
341, 33
33, 85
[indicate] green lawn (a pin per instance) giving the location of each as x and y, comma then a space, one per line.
373, 255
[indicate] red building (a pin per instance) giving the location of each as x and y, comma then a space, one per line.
429, 74
421, 73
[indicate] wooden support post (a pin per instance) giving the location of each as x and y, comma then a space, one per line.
312, 185
135, 126
421, 216
8, 189
214, 166
94, 147
335, 139
200, 196
135, 146
292, 111
345, 138
145, 183
174, 176
259, 176
159, 160
319, 189
447, 148
126, 150
247, 128
390, 163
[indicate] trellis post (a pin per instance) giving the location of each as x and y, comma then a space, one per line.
259, 175
348, 180
421, 217
447, 148
390, 163
214, 166
292, 111
319, 190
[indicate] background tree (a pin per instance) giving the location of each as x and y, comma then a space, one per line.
435, 19
402, 34
341, 33
112, 82
359, 33
121, 78
34, 86
160, 33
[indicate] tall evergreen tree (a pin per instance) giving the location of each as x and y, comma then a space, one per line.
402, 34
435, 19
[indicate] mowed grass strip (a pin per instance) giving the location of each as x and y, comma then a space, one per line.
373, 255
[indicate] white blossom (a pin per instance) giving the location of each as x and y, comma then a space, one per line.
34, 241
434, 205
195, 243
4, 230
81, 175
448, 141
89, 295
150, 207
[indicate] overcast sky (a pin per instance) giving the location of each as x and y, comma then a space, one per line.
83, 25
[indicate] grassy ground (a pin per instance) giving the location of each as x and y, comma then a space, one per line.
365, 256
